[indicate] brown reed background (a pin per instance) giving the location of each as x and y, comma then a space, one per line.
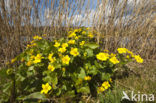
17, 22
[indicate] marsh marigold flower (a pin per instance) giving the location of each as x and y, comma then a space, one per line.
127, 57
90, 35
112, 55
45, 88
110, 80
32, 57
82, 43
71, 41
64, 45
13, 60
131, 53
65, 59
63, 69
122, 50
51, 67
76, 37
74, 52
56, 44
38, 58
51, 59
72, 35
100, 89
29, 63
106, 50
102, 56
105, 85
62, 50
114, 60
22, 60
37, 37
88, 78
83, 32
138, 59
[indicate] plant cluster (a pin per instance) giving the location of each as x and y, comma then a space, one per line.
68, 66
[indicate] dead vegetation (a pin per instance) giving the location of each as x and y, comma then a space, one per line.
120, 23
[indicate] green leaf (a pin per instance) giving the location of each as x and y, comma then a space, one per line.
70, 93
98, 65
82, 73
59, 92
92, 45
36, 95
3, 73
85, 90
93, 70
89, 52
20, 77
57, 65
105, 76
51, 78
7, 87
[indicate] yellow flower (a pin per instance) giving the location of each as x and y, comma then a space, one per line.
74, 52
102, 56
76, 37
22, 60
90, 35
31, 51
88, 78
65, 59
29, 63
114, 60
51, 59
72, 35
50, 55
131, 53
101, 89
60, 55
63, 69
37, 37
44, 35
71, 41
34, 44
9, 71
105, 85
112, 55
7, 63
88, 28
127, 56
84, 54
84, 32
106, 51
38, 58
45, 88
32, 57
110, 80
77, 30
82, 43
13, 60
51, 67
64, 45
121, 50
138, 59
62, 50
28, 46
56, 44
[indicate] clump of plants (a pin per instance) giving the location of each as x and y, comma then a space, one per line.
72, 66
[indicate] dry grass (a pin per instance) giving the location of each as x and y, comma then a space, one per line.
143, 80
18, 22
